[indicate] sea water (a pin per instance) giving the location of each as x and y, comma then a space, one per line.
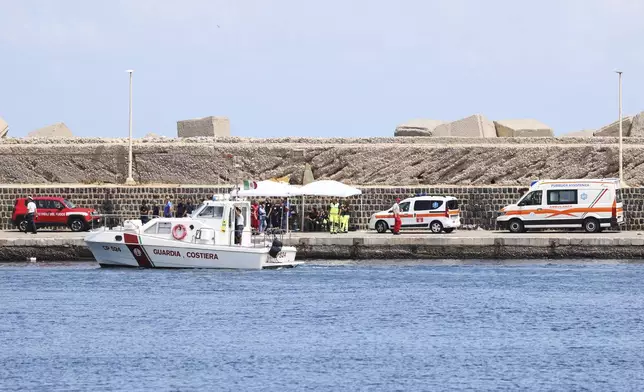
333, 327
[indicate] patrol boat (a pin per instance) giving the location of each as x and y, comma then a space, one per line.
204, 240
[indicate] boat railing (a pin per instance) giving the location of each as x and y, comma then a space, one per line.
109, 221
266, 238
117, 221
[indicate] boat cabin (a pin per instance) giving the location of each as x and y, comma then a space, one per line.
212, 223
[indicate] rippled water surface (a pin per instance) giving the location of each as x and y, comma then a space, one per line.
323, 328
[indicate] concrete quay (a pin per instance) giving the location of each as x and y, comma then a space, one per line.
460, 245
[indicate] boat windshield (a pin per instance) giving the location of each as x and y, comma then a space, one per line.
212, 212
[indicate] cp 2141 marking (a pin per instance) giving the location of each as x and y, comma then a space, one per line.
112, 248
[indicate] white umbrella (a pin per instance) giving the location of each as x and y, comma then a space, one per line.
269, 189
329, 188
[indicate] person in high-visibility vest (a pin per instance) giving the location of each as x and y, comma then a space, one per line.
344, 217
334, 216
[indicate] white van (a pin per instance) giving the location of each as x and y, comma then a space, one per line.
552, 204
437, 213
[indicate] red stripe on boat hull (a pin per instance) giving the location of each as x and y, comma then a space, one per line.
132, 243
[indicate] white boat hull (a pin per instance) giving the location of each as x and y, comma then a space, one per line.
149, 252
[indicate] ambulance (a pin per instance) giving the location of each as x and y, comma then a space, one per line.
436, 213
593, 205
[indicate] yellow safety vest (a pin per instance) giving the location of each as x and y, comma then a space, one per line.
334, 209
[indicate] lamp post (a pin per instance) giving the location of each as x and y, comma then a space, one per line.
621, 153
130, 180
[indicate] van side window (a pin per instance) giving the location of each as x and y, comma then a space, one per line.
426, 205
452, 204
562, 197
533, 198
618, 195
404, 207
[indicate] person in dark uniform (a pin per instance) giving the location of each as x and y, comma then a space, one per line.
144, 211
108, 210
156, 210
269, 214
181, 208
190, 207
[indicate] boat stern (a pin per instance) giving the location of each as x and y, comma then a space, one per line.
285, 259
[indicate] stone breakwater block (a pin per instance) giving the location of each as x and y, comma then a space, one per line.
307, 177
637, 126
472, 126
4, 128
613, 128
583, 133
52, 131
417, 127
207, 126
522, 128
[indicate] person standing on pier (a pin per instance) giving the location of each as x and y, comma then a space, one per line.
190, 207
334, 216
181, 209
397, 220
31, 216
344, 217
144, 212
167, 208
262, 217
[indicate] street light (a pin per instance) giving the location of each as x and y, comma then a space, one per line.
621, 154
130, 180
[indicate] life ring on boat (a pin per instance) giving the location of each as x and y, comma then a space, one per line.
179, 232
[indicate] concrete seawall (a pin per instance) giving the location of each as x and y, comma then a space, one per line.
479, 204
470, 245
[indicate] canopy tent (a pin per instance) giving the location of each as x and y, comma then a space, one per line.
269, 189
329, 188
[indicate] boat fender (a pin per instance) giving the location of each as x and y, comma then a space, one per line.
276, 248
179, 232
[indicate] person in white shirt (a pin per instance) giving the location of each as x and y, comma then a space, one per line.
239, 225
31, 216
397, 220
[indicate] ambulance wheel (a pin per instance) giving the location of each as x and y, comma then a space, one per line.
436, 227
591, 225
382, 227
448, 230
516, 226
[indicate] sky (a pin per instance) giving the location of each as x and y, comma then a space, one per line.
316, 68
